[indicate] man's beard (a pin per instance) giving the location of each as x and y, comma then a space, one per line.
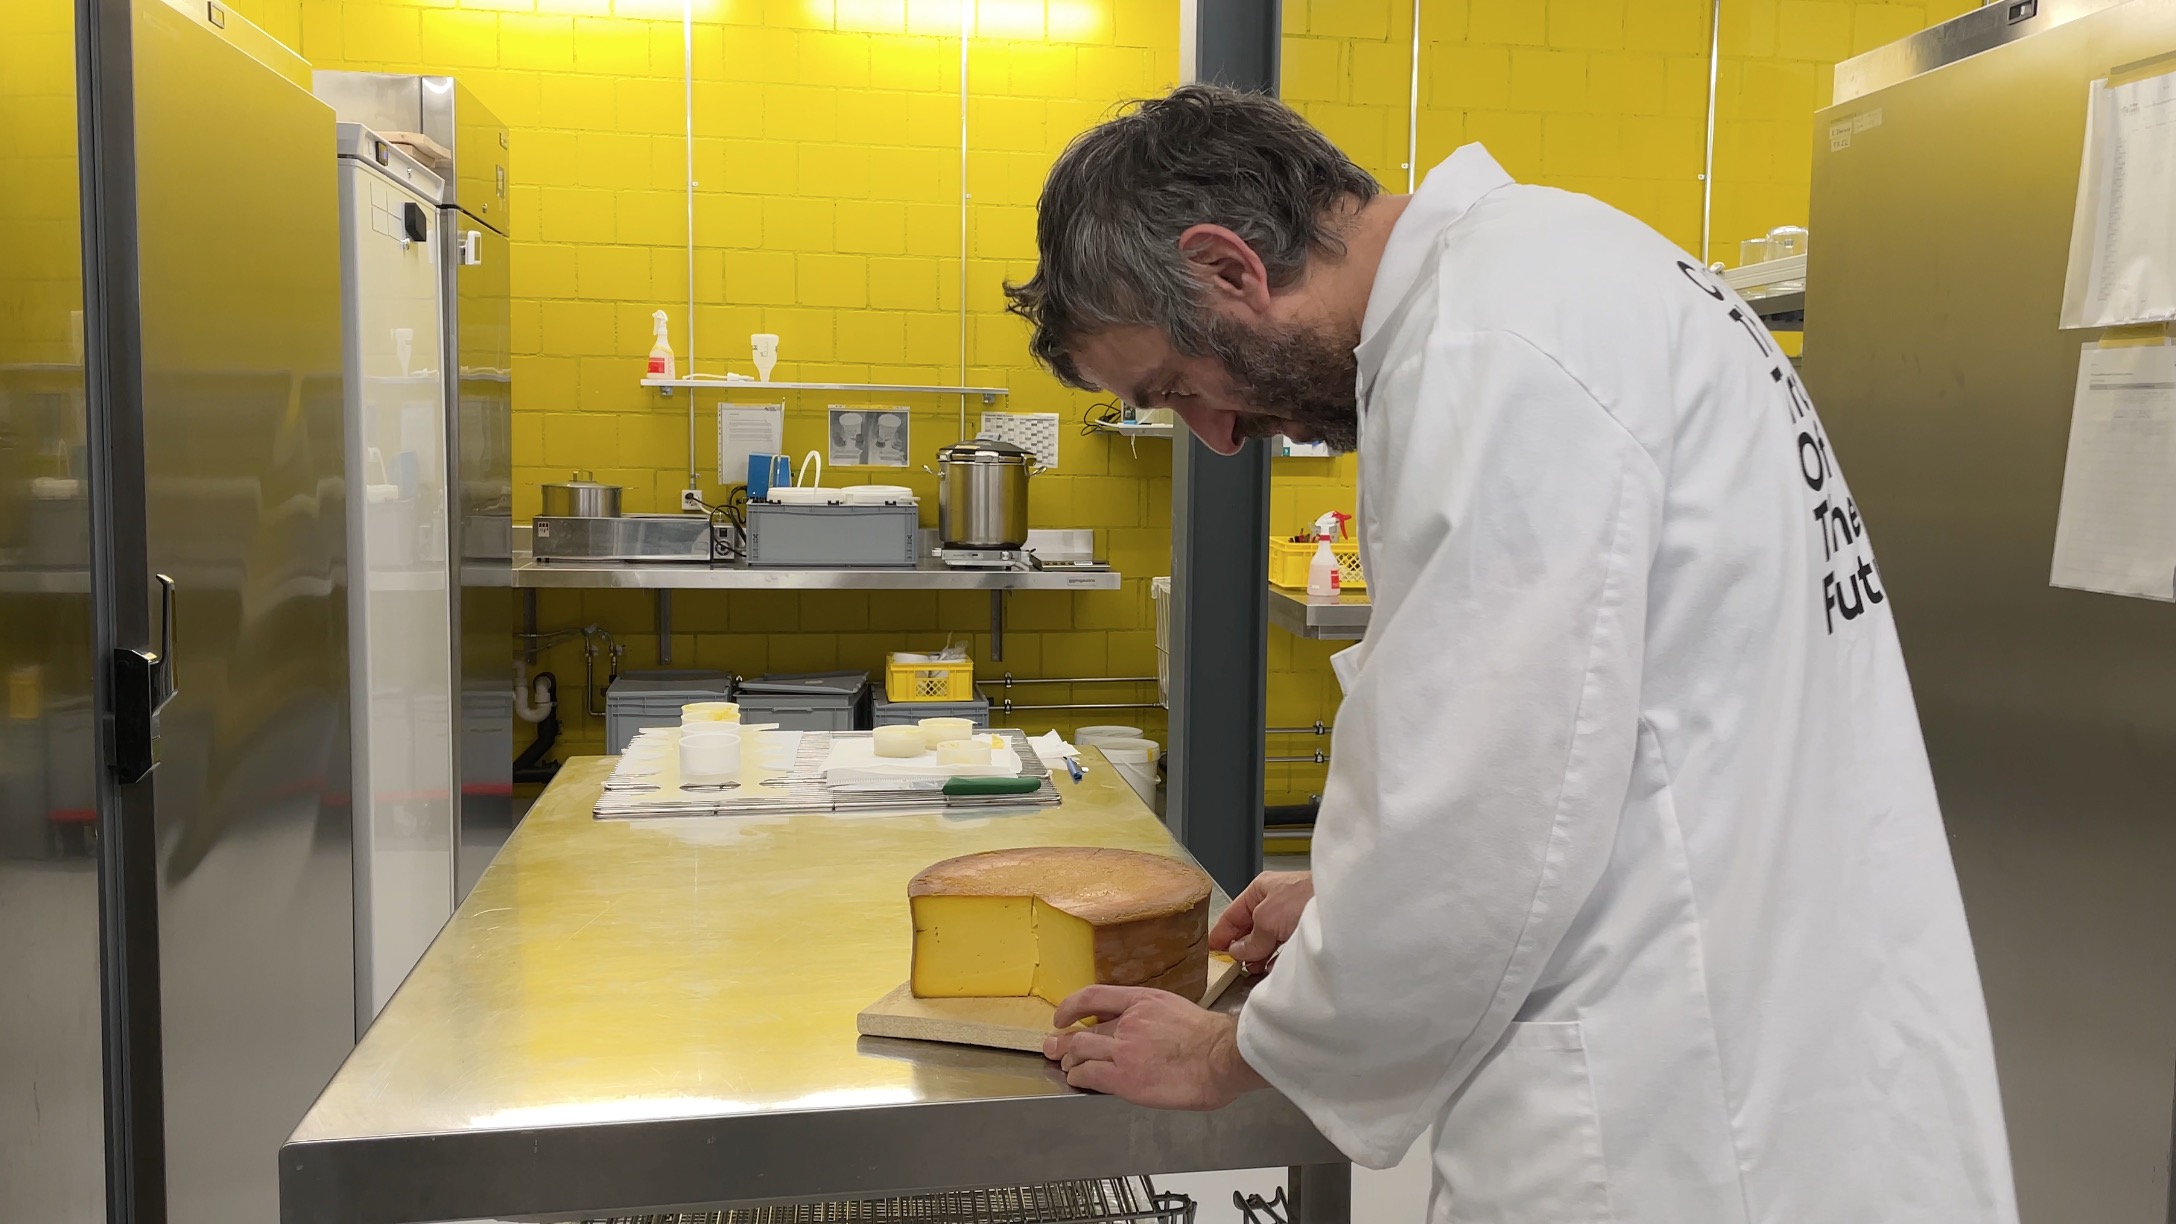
1299, 376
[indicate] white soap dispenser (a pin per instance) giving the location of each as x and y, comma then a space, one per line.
661, 364
1324, 577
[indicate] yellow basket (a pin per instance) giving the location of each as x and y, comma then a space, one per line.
929, 681
1288, 564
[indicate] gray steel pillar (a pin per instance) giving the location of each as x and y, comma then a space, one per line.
1220, 549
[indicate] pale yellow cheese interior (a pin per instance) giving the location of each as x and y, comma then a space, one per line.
999, 946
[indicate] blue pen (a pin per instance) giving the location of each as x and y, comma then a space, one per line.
1073, 767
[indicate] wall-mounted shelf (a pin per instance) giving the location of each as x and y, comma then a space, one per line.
1334, 618
1135, 429
666, 385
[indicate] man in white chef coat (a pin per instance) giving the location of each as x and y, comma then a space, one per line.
1629, 878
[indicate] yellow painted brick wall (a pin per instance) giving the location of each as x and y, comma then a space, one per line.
1605, 97
1773, 74
829, 211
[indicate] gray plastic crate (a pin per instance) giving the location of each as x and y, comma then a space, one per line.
825, 701
832, 537
643, 699
884, 712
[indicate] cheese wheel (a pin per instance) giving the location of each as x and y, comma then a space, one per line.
937, 731
1044, 921
963, 752
899, 741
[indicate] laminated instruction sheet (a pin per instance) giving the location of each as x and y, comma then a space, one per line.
2123, 236
2116, 528
744, 430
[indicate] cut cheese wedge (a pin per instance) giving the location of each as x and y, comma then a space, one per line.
1045, 921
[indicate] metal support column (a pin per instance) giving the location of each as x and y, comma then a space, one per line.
1220, 549
664, 628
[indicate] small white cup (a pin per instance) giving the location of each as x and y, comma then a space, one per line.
708, 756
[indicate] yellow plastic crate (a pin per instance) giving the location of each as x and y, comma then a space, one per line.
929, 681
1288, 564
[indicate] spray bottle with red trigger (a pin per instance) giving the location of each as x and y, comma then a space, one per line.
1324, 575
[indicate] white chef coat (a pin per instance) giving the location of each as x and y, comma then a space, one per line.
1629, 877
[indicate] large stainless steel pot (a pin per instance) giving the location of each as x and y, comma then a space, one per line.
580, 498
982, 494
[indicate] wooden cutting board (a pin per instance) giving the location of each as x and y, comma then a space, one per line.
1003, 1024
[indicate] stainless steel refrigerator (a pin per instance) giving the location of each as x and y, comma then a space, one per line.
470, 149
175, 918
1944, 182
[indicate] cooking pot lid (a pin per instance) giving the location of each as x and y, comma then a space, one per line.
985, 450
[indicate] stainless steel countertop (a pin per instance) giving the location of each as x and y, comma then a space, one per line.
1342, 618
930, 575
636, 1015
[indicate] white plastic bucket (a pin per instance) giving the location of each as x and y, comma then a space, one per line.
1135, 761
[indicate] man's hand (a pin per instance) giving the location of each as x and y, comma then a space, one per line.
1259, 920
1152, 1048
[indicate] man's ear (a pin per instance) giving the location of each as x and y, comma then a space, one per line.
1231, 273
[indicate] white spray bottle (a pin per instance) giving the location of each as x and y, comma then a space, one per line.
1323, 575
661, 364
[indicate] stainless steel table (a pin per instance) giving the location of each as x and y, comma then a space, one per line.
1330, 617
651, 1015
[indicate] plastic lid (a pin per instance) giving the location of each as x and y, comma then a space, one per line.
985, 450
843, 683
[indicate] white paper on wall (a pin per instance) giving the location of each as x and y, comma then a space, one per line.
2122, 243
1030, 431
744, 430
2116, 528
870, 437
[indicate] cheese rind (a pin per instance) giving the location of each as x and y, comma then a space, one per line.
1046, 921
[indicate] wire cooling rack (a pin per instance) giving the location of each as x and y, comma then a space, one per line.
1062, 1202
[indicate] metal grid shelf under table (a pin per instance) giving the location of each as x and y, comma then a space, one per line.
1062, 1202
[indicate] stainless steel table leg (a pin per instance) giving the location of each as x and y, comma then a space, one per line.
1320, 1194
997, 624
664, 628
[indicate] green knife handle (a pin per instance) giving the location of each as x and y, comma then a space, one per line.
976, 788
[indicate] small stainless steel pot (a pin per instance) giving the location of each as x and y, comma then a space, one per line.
581, 498
982, 494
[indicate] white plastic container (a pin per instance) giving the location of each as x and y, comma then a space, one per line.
709, 757
1097, 734
1135, 761
712, 713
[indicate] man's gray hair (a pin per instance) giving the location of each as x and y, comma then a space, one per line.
1108, 224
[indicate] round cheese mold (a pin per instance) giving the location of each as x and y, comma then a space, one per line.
698, 712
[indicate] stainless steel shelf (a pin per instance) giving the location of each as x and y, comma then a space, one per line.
1135, 429
1337, 618
930, 575
722, 384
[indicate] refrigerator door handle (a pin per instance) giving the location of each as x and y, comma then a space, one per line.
143, 683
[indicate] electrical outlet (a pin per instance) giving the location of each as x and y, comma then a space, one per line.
691, 499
